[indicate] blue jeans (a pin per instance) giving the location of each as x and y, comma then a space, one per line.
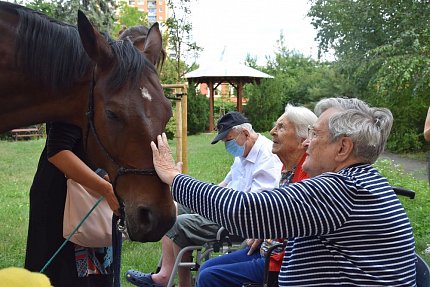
232, 270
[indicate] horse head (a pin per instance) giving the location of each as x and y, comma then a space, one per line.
127, 109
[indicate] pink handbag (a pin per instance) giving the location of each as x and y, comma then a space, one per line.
96, 230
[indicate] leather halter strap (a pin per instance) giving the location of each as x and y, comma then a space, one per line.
121, 170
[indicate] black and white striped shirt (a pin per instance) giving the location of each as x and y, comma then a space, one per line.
344, 229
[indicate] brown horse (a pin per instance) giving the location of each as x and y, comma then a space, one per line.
51, 71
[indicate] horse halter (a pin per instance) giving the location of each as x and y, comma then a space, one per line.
121, 170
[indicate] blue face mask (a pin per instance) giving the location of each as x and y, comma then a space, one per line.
234, 148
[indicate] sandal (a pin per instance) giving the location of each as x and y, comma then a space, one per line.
141, 279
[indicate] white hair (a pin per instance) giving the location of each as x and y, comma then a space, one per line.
301, 118
368, 127
244, 126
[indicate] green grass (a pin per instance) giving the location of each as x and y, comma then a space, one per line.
18, 161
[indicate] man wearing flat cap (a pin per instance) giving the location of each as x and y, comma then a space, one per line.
255, 168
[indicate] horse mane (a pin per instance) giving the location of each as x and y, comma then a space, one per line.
51, 52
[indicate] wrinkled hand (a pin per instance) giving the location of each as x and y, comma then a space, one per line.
163, 160
253, 245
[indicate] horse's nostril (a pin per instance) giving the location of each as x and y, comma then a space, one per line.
145, 218
148, 225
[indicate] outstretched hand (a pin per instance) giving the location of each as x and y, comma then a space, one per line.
163, 160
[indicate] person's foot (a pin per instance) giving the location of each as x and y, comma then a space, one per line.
140, 279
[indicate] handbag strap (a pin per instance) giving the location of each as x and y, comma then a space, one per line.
71, 234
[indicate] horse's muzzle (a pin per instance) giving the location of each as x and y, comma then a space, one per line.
149, 226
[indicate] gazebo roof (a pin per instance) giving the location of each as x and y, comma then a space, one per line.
226, 71
220, 72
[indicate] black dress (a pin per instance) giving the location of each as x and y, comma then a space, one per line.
47, 199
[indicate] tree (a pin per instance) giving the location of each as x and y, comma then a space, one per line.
128, 17
42, 6
99, 12
179, 29
383, 48
297, 80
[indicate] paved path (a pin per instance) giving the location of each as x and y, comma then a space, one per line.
416, 168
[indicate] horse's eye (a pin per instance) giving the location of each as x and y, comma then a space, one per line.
111, 115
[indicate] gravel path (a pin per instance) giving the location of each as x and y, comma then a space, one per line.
416, 168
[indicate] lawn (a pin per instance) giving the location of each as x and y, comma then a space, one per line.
18, 161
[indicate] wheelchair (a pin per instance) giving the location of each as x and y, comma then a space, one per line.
224, 243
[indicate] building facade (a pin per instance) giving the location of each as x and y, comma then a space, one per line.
156, 9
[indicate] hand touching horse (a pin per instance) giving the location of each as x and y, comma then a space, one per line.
51, 71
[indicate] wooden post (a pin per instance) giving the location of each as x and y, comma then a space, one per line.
239, 96
211, 106
178, 134
184, 102
181, 123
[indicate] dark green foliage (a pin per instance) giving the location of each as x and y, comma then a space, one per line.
198, 112
221, 107
5, 136
129, 16
297, 80
264, 104
171, 128
382, 47
99, 12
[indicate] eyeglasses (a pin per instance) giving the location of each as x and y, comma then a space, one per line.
311, 133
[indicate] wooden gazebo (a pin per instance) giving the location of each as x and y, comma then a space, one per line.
216, 74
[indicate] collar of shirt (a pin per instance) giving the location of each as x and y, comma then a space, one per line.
253, 153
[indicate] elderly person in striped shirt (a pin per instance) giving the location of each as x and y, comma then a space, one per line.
345, 226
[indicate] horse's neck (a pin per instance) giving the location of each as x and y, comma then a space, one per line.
28, 108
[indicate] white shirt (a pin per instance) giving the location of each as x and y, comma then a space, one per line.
260, 170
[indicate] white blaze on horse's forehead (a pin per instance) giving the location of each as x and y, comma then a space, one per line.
145, 93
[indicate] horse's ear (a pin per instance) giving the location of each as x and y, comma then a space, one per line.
94, 43
153, 44
139, 42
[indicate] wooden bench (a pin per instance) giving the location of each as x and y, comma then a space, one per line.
26, 133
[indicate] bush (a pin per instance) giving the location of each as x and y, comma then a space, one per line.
171, 127
198, 112
404, 141
264, 105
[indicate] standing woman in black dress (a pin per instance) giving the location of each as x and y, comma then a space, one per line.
74, 266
